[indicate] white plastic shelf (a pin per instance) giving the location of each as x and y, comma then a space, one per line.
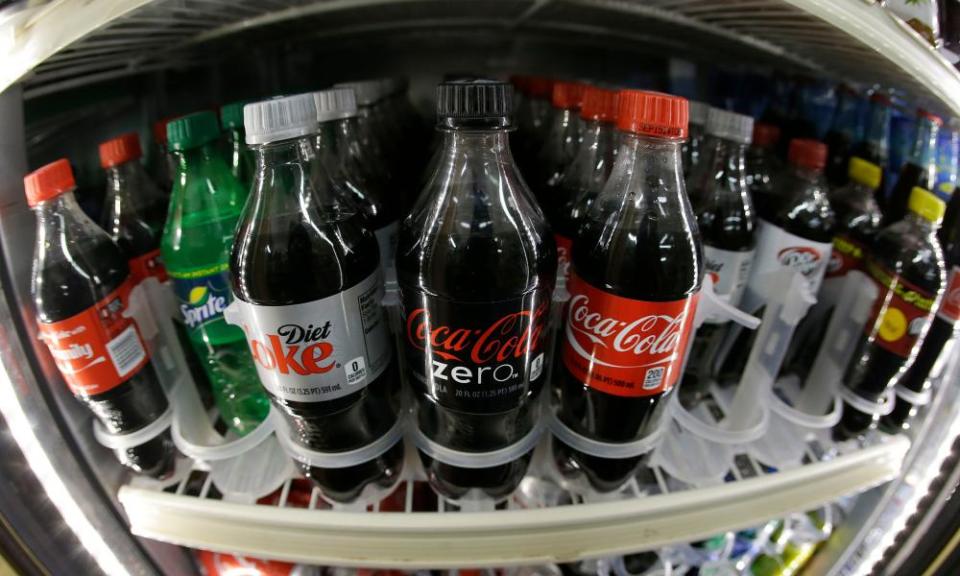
640, 518
66, 43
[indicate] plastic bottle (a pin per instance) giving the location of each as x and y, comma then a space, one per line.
476, 265
725, 216
942, 329
762, 164
560, 145
239, 155
799, 236
906, 263
306, 274
845, 131
163, 164
204, 210
920, 169
587, 173
135, 209
533, 119
81, 288
370, 133
634, 285
690, 151
948, 161
875, 147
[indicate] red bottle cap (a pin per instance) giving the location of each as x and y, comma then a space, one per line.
119, 150
808, 154
930, 116
49, 182
652, 114
567, 95
881, 97
539, 87
160, 132
599, 104
765, 135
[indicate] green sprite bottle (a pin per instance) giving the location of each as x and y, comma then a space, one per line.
204, 209
239, 155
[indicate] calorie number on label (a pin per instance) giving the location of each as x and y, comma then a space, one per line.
356, 370
653, 378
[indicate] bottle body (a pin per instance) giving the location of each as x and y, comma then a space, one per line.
134, 216
919, 170
559, 149
206, 204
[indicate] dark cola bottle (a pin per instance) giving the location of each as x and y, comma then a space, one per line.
725, 216
81, 287
586, 175
844, 132
306, 274
560, 145
762, 166
920, 170
942, 328
906, 264
135, 209
476, 264
634, 284
799, 236
691, 150
532, 118
875, 146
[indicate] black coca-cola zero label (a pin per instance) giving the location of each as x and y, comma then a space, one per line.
476, 357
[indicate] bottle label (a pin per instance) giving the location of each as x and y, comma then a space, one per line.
847, 255
950, 305
97, 349
622, 346
321, 350
564, 255
778, 249
901, 313
148, 265
203, 294
476, 357
730, 270
387, 242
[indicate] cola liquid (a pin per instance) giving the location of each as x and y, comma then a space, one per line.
942, 328
920, 168
533, 118
762, 164
560, 145
799, 236
306, 274
634, 283
586, 175
81, 287
725, 216
690, 150
476, 264
906, 264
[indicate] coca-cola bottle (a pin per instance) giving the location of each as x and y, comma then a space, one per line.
306, 275
476, 264
762, 164
690, 150
81, 288
721, 202
906, 263
634, 284
798, 236
533, 117
135, 209
560, 145
586, 175
920, 170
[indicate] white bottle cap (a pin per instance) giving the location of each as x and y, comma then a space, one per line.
730, 126
698, 112
368, 92
335, 104
280, 118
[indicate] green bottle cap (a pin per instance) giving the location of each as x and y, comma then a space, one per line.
231, 115
192, 130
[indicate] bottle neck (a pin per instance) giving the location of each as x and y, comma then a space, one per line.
120, 175
290, 177
807, 173
878, 128
644, 162
925, 144
477, 145
194, 158
846, 117
922, 224
60, 222
236, 136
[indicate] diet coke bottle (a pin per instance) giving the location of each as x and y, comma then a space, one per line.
476, 264
634, 284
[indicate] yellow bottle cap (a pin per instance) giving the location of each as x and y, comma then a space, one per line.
864, 172
926, 205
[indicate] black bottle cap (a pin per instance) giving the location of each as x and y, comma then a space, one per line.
474, 103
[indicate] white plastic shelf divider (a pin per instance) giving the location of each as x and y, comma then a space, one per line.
509, 537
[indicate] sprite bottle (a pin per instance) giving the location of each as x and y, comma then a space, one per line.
204, 209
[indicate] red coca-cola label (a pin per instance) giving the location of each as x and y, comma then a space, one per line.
97, 349
564, 255
478, 357
148, 265
950, 305
622, 346
901, 313
846, 256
